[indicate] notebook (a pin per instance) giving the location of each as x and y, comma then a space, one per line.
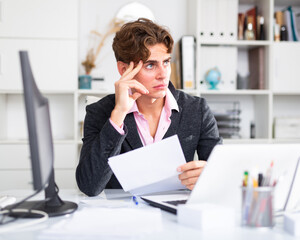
221, 180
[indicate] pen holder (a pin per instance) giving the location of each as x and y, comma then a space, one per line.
257, 206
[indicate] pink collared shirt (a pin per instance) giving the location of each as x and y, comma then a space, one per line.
142, 123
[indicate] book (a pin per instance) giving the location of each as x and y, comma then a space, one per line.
174, 78
293, 24
251, 18
256, 68
279, 17
241, 23
287, 23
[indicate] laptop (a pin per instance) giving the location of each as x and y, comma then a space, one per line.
221, 180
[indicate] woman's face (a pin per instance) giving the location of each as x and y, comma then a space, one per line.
155, 72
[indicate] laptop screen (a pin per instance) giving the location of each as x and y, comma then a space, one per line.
221, 180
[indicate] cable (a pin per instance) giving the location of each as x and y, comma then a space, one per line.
27, 223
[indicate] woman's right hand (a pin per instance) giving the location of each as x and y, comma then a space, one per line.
124, 101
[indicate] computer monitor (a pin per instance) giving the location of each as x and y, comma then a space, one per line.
41, 148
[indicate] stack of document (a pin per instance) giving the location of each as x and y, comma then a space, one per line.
150, 169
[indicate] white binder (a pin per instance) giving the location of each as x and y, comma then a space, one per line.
218, 20
188, 61
208, 24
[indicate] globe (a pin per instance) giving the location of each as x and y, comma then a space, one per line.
213, 77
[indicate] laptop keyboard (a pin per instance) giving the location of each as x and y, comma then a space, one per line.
176, 202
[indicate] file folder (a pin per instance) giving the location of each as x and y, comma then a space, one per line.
188, 61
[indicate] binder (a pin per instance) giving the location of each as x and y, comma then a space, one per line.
232, 21
188, 61
256, 68
287, 22
293, 24
222, 20
208, 24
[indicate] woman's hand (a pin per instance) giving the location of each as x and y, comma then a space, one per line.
190, 173
124, 101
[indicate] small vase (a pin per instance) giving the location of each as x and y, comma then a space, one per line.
85, 82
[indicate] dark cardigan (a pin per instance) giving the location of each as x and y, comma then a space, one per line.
194, 124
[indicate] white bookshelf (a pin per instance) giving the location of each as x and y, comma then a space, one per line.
263, 105
57, 45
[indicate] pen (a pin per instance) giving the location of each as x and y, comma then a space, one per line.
134, 199
260, 179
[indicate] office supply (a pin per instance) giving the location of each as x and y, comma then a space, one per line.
287, 23
188, 62
227, 115
208, 23
6, 200
218, 20
207, 216
41, 150
233, 159
151, 168
232, 21
292, 224
287, 127
257, 206
256, 68
134, 199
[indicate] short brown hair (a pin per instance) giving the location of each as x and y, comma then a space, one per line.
132, 40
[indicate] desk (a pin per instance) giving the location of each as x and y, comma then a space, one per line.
171, 229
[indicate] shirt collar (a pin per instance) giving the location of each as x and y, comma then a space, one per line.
170, 104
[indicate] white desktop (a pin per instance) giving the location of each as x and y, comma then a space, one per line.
113, 203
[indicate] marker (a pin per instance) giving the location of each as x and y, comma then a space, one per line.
134, 199
245, 181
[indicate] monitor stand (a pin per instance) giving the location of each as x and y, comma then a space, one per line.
52, 205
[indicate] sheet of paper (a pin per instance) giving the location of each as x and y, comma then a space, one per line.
108, 223
151, 168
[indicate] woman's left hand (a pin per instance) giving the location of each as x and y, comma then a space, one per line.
190, 172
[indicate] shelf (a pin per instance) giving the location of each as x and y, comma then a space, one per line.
286, 140
190, 91
235, 92
70, 141
246, 141
286, 43
287, 2
240, 43
287, 93
97, 92
60, 92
